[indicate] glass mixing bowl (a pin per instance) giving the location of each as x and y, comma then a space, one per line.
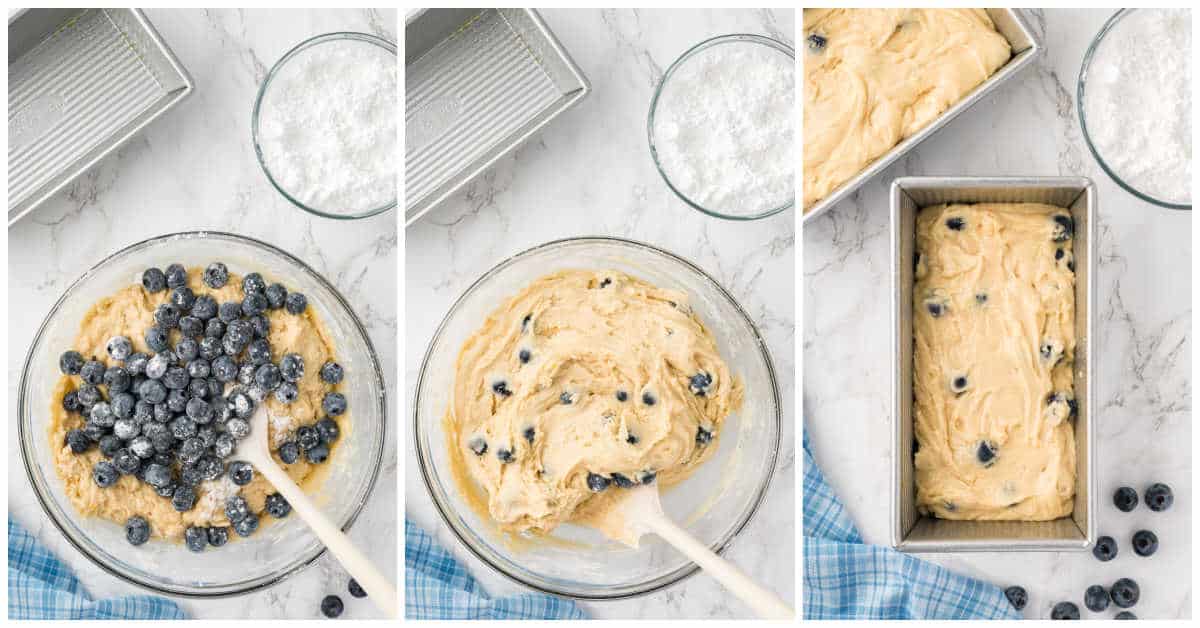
723, 40
714, 504
276, 551
1115, 24
306, 45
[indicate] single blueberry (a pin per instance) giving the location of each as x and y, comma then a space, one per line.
105, 474
1017, 597
291, 366
597, 482
123, 405
78, 441
289, 452
334, 404
71, 362
205, 308
1064, 228
268, 376
223, 445
183, 299
308, 437
246, 371
176, 378
935, 309
277, 506
157, 475
332, 606
241, 473
1125, 499
296, 303
258, 352
699, 383
524, 356
955, 223
816, 43
119, 348
237, 428
622, 482
191, 327
1145, 543
1064, 610
156, 338
186, 350
92, 372
622, 396
236, 508
1125, 593
287, 393
142, 447
70, 402
566, 398
247, 525
252, 283
1095, 598
317, 454
500, 387
126, 429
703, 436
198, 369
327, 428
167, 316
184, 498
254, 304
218, 536
102, 414
229, 311
195, 538
183, 428
137, 530
356, 589
986, 453
1105, 549
88, 395
261, 325
153, 280
214, 329
276, 296
648, 398
1124, 615
224, 368
176, 276
216, 275
1159, 497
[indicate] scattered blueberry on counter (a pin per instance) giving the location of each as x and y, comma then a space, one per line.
1105, 549
1125, 499
356, 589
1159, 497
1095, 598
1125, 593
1017, 597
332, 606
1065, 610
1145, 543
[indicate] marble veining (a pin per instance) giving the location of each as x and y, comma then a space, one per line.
1143, 320
590, 173
195, 169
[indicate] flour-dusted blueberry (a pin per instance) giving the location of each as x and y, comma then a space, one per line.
317, 454
622, 481
216, 275
276, 296
246, 371
205, 308
184, 498
1125, 593
1105, 549
126, 429
182, 428
142, 447
500, 387
308, 437
236, 508
332, 606
238, 428
233, 342
956, 223
78, 441
268, 376
240, 472
1063, 229
1095, 598
224, 368
243, 404
119, 348
247, 525
143, 411
123, 405
327, 428
1145, 543
254, 304
167, 316
102, 414
289, 452
648, 398
191, 327
162, 412
223, 445
199, 369
176, 276
70, 402
218, 536
597, 482
703, 436
985, 453
187, 349
71, 362
94, 432
196, 538
137, 530
210, 348
291, 366
88, 395
176, 378
199, 411
287, 392
157, 366
210, 468
505, 455
356, 589
1159, 497
699, 383
157, 475
296, 303
183, 299
92, 372
478, 445
105, 474
261, 326
816, 43
253, 283
1017, 597
229, 311
116, 379
277, 506
334, 404
1125, 499
156, 338
153, 280
207, 435
258, 352
166, 492
1064, 610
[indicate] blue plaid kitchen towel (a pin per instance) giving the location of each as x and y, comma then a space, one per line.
42, 587
437, 587
847, 579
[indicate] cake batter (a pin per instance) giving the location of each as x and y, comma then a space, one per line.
994, 353
581, 385
873, 77
130, 312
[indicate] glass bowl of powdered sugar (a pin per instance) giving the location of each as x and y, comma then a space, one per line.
1135, 103
324, 125
722, 127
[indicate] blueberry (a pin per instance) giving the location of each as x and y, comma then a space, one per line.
210, 348
1064, 228
566, 398
622, 482
291, 366
524, 356
143, 411
699, 383
1124, 615
70, 402
119, 348
229, 312
176, 378
183, 299
648, 398
289, 452
70, 362
105, 474
1095, 598
277, 506
1105, 549
597, 482
1125, 593
224, 445
935, 309
500, 387
224, 368
287, 393
187, 350
184, 498
137, 530
296, 303
127, 462
252, 283
241, 473
88, 395
254, 304
210, 468
247, 525
276, 296
157, 475
956, 223
633, 439
195, 538
243, 405
92, 372
199, 369
167, 491
1064, 610
218, 536
816, 43
116, 379
1159, 497
1017, 597
703, 436
356, 590
78, 441
261, 326
236, 508
986, 453
102, 414
216, 275
141, 447
162, 412
332, 606
123, 405
958, 385
1125, 499
328, 430
505, 455
191, 326
981, 298
233, 342
183, 428
205, 308
156, 338
237, 428
176, 276
308, 437
529, 434
153, 280
126, 429
622, 396
245, 374
334, 404
477, 445
647, 477
258, 352
94, 432
268, 376
167, 316
1145, 543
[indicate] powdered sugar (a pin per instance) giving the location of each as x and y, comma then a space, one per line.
1138, 102
723, 128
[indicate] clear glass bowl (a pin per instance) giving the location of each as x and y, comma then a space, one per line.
714, 504
258, 101
733, 39
1110, 26
277, 550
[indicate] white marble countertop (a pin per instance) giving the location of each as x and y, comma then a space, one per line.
195, 168
1028, 127
590, 173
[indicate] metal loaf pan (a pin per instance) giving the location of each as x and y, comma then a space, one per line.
81, 82
478, 83
915, 533
1025, 46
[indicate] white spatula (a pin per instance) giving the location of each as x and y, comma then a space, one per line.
253, 449
640, 512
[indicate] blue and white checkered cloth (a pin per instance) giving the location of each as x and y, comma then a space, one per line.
437, 587
42, 587
847, 579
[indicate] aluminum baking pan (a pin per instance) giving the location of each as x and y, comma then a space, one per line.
81, 82
478, 83
912, 532
1025, 46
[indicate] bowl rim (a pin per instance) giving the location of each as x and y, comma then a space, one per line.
27, 455
730, 38
688, 568
1080, 89
375, 40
